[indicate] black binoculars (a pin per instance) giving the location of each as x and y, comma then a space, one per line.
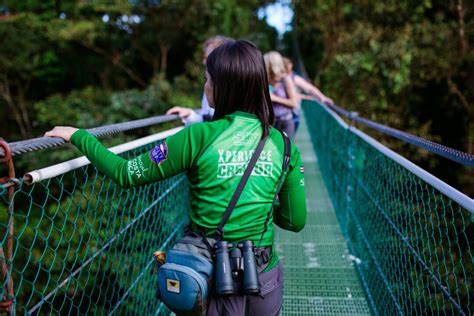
235, 264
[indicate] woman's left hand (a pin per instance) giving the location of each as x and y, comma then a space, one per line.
65, 132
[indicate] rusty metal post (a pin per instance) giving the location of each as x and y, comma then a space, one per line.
6, 305
352, 116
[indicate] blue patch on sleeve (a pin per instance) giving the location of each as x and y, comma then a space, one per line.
159, 153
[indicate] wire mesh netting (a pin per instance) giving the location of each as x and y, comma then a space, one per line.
411, 240
319, 275
83, 245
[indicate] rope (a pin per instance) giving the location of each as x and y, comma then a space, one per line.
441, 150
39, 143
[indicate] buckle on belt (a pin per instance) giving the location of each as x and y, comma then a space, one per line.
262, 255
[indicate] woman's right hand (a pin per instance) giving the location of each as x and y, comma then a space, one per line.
182, 112
327, 100
64, 132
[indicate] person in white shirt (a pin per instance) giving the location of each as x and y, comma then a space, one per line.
188, 115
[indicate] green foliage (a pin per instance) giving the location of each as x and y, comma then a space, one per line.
93, 106
87, 108
91, 63
22, 54
25, 57
73, 50
401, 64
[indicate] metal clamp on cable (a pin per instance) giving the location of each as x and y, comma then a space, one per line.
353, 117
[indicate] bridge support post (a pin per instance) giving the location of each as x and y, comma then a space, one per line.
9, 182
352, 116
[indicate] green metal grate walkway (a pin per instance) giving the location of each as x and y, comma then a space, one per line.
320, 278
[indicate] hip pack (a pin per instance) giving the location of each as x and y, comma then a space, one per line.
186, 278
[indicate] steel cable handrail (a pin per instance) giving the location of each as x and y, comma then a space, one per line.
441, 150
34, 144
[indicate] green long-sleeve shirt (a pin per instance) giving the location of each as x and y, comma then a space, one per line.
214, 155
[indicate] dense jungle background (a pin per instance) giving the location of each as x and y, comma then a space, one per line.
406, 64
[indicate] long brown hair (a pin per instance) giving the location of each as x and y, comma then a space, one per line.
240, 81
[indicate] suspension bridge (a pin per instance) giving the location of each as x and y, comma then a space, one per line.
383, 236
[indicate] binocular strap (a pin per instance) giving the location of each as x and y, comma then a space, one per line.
284, 170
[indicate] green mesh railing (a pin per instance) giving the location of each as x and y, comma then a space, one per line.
82, 245
412, 243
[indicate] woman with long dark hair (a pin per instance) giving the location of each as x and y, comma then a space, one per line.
214, 155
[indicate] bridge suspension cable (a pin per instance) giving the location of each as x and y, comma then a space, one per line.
441, 150
34, 144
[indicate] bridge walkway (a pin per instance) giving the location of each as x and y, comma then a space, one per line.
320, 278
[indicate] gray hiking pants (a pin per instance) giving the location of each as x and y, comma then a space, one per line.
267, 304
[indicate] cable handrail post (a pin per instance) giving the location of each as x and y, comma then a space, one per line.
353, 118
7, 303
349, 186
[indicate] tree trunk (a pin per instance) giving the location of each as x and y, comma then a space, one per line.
132, 75
116, 60
464, 45
5, 94
164, 60
104, 78
148, 57
331, 38
24, 110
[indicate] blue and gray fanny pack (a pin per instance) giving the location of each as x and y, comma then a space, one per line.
185, 280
